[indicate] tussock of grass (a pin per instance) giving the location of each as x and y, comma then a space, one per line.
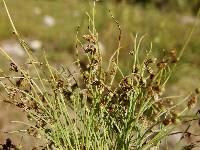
90, 109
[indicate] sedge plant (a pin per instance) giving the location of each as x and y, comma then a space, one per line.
90, 109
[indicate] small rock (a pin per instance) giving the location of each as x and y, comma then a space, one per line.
49, 21
12, 48
35, 44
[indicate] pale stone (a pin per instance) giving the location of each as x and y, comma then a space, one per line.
49, 21
12, 47
36, 44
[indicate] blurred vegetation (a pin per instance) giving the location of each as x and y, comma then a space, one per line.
166, 23
180, 5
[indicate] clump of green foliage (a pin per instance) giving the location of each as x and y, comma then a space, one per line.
90, 109
181, 5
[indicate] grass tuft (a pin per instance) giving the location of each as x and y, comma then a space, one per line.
90, 108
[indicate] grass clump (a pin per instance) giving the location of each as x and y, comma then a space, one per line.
89, 108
